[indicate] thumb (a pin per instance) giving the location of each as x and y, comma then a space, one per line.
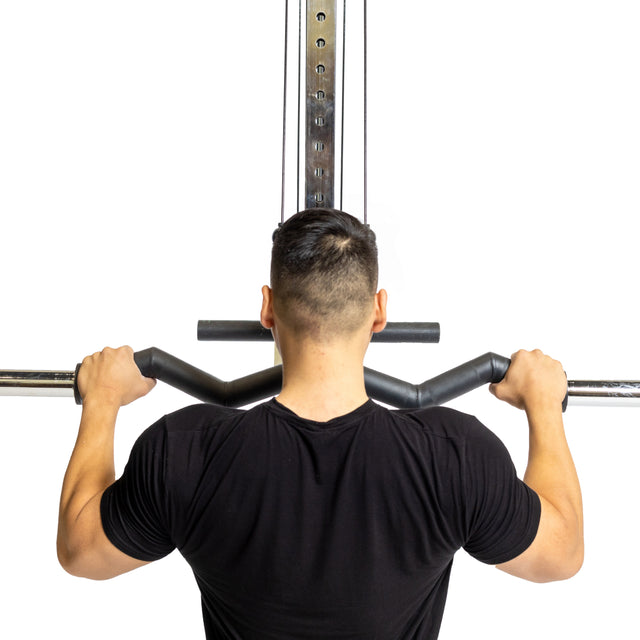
149, 383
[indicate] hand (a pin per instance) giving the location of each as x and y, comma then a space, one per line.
112, 376
533, 380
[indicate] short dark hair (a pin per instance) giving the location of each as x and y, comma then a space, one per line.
324, 271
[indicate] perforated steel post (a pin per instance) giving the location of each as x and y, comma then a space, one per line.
320, 138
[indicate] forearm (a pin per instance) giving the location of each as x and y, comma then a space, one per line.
90, 471
551, 472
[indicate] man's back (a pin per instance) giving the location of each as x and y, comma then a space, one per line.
344, 529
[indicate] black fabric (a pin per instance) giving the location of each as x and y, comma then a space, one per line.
297, 529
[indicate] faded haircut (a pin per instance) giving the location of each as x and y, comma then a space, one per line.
324, 272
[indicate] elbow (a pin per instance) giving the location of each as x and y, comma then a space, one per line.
77, 562
572, 565
71, 568
556, 554
78, 569
69, 560
566, 551
65, 555
70, 565
571, 560
563, 567
545, 563
577, 563
558, 574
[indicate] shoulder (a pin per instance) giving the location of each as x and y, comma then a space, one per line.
191, 436
442, 422
194, 423
448, 428
198, 416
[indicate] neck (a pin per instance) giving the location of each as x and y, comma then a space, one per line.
322, 381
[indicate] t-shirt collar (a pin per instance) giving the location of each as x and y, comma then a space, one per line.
335, 423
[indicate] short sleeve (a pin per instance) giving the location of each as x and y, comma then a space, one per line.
133, 509
503, 513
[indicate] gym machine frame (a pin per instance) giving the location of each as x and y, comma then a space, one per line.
321, 110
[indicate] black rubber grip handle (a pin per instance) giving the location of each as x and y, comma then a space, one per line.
251, 331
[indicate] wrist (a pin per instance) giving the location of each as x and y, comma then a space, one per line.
546, 402
545, 418
100, 404
543, 407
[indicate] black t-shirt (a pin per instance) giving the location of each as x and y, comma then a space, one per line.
300, 529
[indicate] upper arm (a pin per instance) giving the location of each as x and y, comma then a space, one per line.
553, 555
85, 551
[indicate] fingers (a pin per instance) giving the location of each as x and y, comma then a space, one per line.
112, 375
533, 379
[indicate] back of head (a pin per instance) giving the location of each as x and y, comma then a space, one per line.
324, 273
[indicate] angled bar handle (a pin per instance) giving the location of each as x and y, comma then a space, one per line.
451, 384
155, 363
158, 364
487, 368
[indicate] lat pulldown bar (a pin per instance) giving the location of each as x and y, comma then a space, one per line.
155, 363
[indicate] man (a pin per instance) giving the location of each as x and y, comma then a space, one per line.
320, 514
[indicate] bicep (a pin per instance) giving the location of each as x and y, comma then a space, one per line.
94, 555
548, 558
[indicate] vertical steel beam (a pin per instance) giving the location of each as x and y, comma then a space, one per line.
320, 139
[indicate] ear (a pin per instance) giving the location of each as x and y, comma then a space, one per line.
380, 311
266, 313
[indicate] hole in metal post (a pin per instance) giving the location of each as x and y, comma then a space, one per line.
319, 146
320, 68
319, 172
320, 121
320, 43
319, 197
321, 16
320, 95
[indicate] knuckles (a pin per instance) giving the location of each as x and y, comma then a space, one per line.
534, 358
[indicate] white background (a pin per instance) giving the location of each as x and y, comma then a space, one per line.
139, 186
